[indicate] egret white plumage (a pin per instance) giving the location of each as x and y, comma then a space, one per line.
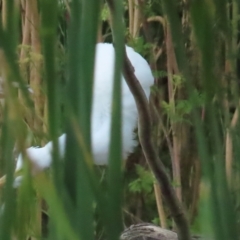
101, 109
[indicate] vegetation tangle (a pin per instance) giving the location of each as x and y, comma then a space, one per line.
185, 173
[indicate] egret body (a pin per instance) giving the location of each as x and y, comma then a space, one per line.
101, 109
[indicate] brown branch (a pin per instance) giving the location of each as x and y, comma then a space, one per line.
145, 138
159, 19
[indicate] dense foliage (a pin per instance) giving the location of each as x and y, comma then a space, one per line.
193, 51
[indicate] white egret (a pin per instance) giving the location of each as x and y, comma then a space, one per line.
101, 109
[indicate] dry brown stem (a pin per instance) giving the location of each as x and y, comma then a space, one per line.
4, 12
26, 34
130, 12
159, 19
136, 22
134, 17
173, 69
36, 66
229, 146
161, 213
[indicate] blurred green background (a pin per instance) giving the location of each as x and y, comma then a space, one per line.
193, 50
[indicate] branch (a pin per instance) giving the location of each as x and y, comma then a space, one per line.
157, 167
145, 138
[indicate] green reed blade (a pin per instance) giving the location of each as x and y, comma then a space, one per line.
115, 155
82, 38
